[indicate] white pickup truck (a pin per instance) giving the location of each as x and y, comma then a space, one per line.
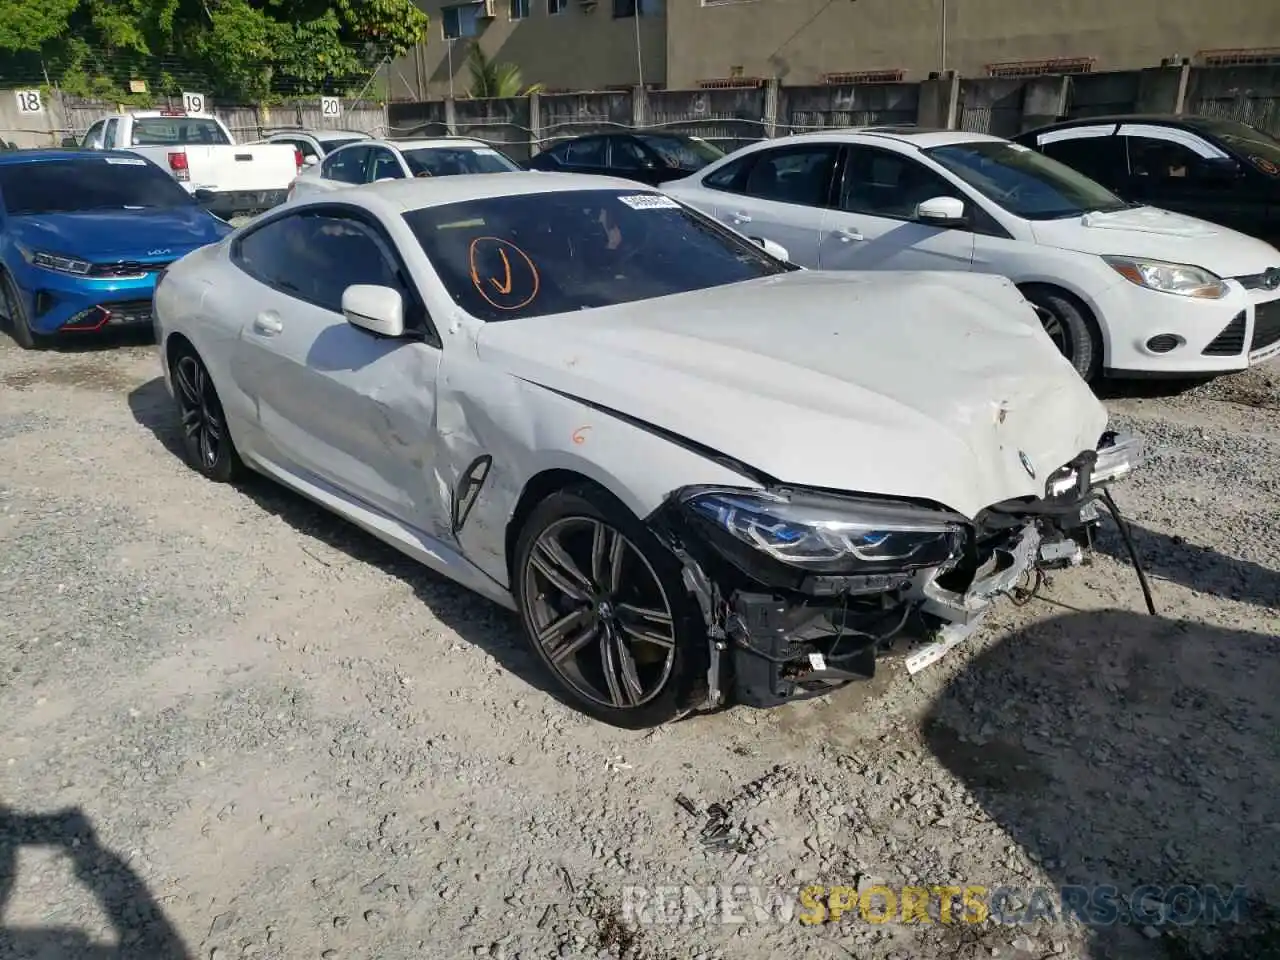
227, 178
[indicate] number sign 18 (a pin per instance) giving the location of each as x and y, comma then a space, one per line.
29, 101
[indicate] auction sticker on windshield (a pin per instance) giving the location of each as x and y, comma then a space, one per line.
650, 201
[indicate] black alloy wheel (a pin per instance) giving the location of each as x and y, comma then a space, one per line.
205, 438
604, 608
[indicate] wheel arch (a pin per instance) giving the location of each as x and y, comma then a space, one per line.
1080, 302
536, 489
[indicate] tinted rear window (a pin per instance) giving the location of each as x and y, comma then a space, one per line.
448, 161
166, 131
100, 183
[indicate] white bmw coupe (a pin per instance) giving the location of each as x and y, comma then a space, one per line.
698, 473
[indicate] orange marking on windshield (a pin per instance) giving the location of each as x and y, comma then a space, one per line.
505, 285
504, 299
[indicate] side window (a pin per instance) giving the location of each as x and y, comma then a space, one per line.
1154, 160
881, 183
384, 165
346, 165
93, 136
626, 154
586, 153
1099, 158
315, 257
732, 176
799, 175
109, 135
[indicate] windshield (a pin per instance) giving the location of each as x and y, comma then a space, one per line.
100, 183
1027, 184
175, 131
448, 161
683, 153
1254, 146
502, 258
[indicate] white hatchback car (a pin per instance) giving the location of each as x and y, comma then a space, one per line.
1123, 289
368, 161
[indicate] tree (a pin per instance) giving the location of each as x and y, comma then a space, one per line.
232, 49
492, 79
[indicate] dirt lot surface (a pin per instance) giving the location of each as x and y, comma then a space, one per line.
233, 726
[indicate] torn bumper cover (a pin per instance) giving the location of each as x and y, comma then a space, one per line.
803, 590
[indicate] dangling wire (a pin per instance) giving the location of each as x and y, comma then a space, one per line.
1133, 551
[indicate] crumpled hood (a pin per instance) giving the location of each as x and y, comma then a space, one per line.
108, 235
1160, 235
922, 385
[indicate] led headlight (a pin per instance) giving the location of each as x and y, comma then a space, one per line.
57, 262
1181, 278
1117, 455
825, 534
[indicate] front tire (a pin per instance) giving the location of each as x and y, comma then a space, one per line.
605, 609
16, 314
1070, 328
206, 441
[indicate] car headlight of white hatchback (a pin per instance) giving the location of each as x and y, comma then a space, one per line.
1183, 279
825, 534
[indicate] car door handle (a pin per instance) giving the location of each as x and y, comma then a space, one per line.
267, 324
740, 218
847, 234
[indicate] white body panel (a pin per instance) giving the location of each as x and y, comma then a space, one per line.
1065, 253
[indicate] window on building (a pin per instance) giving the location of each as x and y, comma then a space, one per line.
460, 21
557, 6
519, 9
627, 8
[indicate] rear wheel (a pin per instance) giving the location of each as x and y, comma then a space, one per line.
605, 609
15, 314
206, 441
1070, 328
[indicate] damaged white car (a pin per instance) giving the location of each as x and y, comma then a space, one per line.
698, 473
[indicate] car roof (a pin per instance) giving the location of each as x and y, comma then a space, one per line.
320, 136
1181, 122
57, 153
405, 195
922, 137
418, 143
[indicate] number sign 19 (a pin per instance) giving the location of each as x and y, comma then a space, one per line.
193, 102
29, 101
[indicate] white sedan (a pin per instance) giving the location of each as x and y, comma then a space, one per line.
697, 472
368, 161
1124, 290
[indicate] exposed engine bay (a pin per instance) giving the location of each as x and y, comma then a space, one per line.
802, 590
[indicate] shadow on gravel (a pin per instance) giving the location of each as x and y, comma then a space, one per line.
476, 620
1132, 751
1199, 568
142, 930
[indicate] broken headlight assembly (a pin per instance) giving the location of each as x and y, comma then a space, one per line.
819, 534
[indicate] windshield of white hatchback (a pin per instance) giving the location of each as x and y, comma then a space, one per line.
1027, 184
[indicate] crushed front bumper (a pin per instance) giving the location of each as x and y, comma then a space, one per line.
769, 646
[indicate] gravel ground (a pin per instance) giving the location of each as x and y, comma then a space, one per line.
233, 726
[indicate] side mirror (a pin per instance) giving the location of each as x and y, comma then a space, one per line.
776, 250
310, 161
380, 310
205, 196
1217, 169
941, 212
